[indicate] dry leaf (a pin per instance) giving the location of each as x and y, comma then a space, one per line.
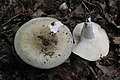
98, 16
102, 5
79, 11
112, 34
118, 26
63, 6
38, 3
38, 13
110, 18
109, 71
117, 40
12, 2
30, 11
1, 14
112, 6
18, 9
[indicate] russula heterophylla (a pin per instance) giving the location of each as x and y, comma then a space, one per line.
43, 42
91, 41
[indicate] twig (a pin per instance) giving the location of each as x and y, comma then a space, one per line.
86, 6
91, 70
90, 3
3, 57
10, 19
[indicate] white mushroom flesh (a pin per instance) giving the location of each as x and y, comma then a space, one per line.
55, 26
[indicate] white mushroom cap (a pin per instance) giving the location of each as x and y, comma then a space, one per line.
91, 42
38, 46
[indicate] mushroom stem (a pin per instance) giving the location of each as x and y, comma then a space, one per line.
87, 31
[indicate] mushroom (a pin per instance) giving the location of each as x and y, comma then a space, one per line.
41, 46
91, 41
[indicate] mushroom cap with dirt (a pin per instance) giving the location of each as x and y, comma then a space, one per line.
39, 46
91, 41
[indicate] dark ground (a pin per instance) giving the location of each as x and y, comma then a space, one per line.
14, 13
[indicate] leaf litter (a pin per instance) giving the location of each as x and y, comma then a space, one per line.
14, 13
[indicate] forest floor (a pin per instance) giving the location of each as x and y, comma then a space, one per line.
14, 13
